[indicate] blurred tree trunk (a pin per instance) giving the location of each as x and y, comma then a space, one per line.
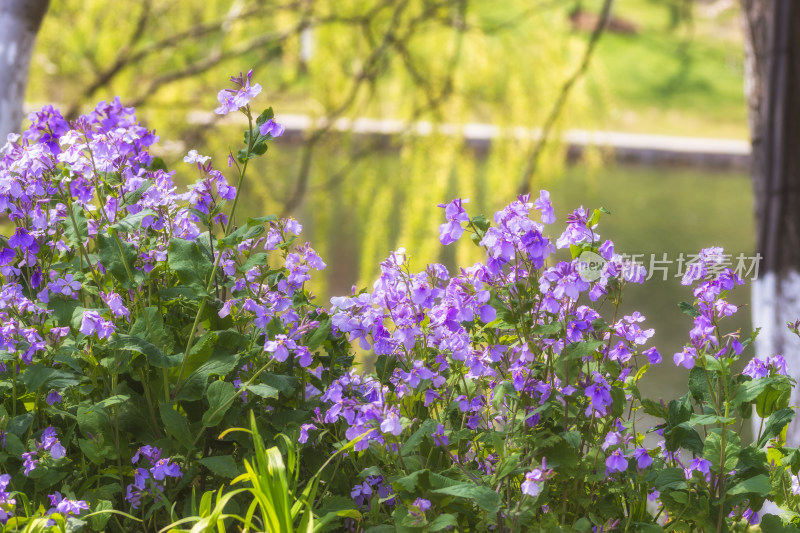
772, 29
19, 24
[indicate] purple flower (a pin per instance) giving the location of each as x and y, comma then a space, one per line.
280, 347
616, 462
29, 462
194, 157
613, 438
304, 432
700, 465
66, 285
751, 517
391, 424
599, 394
543, 204
23, 240
93, 323
534, 480
756, 369
114, 302
452, 230
652, 355
53, 397
164, 468
361, 493
65, 506
686, 357
643, 459
235, 99
422, 504
271, 128
439, 438
6, 502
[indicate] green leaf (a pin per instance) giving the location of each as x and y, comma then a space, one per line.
704, 420
285, 384
713, 449
133, 197
219, 394
76, 236
319, 335
773, 524
688, 309
111, 401
264, 391
19, 424
642, 527
758, 485
265, 116
749, 390
157, 164
548, 329
13, 444
654, 408
39, 376
410, 445
698, 382
155, 357
443, 521
150, 327
95, 452
670, 478
190, 264
413, 482
115, 254
93, 421
99, 521
243, 233
134, 221
775, 424
775, 396
221, 362
176, 425
486, 498
583, 349
221, 465
582, 524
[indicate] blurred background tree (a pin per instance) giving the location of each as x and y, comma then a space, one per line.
442, 63
424, 71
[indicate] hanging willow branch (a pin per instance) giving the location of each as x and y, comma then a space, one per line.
555, 112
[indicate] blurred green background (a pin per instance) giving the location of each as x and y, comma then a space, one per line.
662, 67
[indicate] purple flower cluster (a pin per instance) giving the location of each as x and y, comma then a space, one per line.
150, 481
372, 486
66, 506
49, 443
440, 332
712, 306
7, 503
